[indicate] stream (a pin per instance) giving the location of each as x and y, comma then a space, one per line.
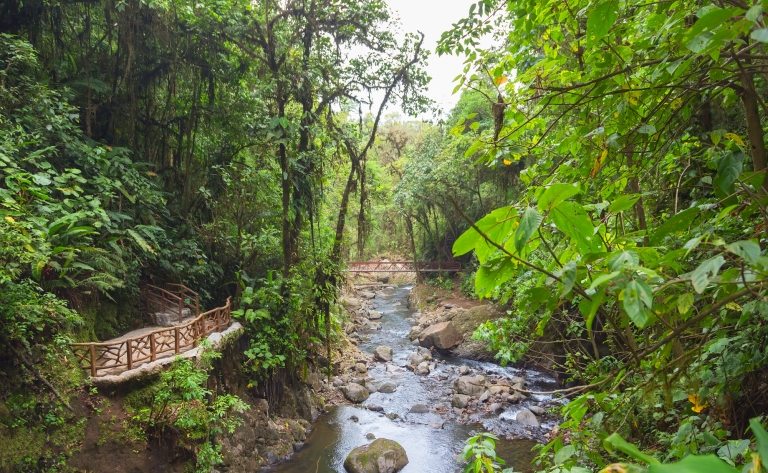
433, 439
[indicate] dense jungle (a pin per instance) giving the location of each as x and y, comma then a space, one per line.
186, 186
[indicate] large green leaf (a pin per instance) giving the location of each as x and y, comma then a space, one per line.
762, 438
492, 274
749, 250
710, 20
493, 225
557, 193
695, 464
616, 441
529, 222
571, 219
601, 19
622, 260
676, 223
624, 202
637, 302
705, 272
728, 170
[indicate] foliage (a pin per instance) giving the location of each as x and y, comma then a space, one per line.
480, 455
634, 242
180, 402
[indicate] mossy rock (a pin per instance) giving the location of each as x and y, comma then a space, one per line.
380, 456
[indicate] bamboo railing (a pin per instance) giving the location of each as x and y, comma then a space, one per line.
101, 357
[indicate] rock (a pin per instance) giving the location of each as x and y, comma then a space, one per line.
392, 368
470, 385
374, 315
463, 370
298, 446
361, 368
367, 295
460, 401
383, 353
515, 398
424, 352
431, 299
442, 336
375, 408
498, 390
388, 388
423, 368
380, 456
350, 302
517, 380
537, 410
370, 436
436, 425
497, 408
416, 359
272, 457
484, 397
337, 382
355, 392
354, 419
419, 409
527, 417
382, 279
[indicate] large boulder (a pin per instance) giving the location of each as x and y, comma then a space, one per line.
442, 336
374, 314
470, 385
380, 456
383, 353
355, 392
460, 401
367, 295
527, 417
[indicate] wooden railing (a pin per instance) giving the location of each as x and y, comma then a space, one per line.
173, 298
98, 357
402, 266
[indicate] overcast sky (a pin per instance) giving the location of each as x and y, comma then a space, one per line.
433, 17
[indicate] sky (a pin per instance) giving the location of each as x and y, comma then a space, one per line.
433, 17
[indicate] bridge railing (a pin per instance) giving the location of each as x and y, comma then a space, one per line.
402, 266
129, 353
172, 298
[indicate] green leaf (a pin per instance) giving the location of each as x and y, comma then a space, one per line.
754, 13
594, 306
707, 270
637, 302
677, 222
601, 19
495, 225
571, 219
564, 453
761, 436
684, 303
616, 441
568, 277
623, 260
557, 193
694, 464
623, 203
491, 275
749, 250
647, 129
603, 278
709, 21
141, 241
529, 222
728, 170
760, 35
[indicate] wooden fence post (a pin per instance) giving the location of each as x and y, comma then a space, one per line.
152, 354
176, 339
128, 353
93, 360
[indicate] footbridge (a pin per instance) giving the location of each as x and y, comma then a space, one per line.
403, 266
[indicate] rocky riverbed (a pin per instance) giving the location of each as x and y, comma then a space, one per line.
406, 385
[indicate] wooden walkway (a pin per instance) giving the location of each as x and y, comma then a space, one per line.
146, 345
403, 266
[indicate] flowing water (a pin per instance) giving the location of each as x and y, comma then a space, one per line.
431, 440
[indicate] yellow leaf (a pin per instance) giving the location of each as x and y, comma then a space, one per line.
732, 306
599, 163
507, 162
500, 80
734, 137
10, 219
676, 103
697, 403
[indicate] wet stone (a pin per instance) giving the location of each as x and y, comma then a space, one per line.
419, 409
527, 417
537, 410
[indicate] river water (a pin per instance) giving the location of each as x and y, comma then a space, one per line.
431, 440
